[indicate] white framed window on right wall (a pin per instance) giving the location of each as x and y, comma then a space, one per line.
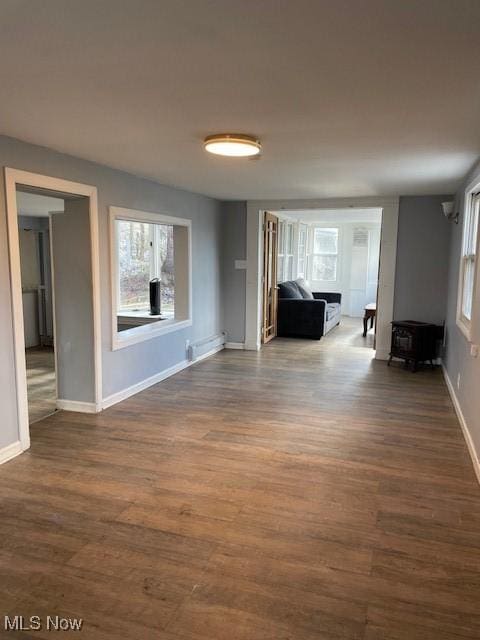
467, 303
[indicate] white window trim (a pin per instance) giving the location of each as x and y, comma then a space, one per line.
290, 251
463, 323
313, 254
302, 226
280, 250
122, 339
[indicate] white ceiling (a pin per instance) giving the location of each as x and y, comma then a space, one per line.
37, 205
376, 97
334, 215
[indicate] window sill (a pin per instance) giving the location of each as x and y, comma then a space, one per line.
144, 332
139, 318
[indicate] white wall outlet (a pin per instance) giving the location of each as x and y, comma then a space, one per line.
474, 350
458, 380
240, 264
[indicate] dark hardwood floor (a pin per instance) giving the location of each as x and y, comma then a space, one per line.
41, 383
302, 492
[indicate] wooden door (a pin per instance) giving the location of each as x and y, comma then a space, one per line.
270, 240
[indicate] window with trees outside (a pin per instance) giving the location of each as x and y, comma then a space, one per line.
325, 254
468, 263
145, 252
151, 275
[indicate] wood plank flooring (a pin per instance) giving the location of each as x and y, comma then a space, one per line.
303, 492
41, 385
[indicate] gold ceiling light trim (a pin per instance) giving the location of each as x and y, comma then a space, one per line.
234, 145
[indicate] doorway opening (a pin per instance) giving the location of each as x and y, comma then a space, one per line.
34, 210
332, 257
53, 252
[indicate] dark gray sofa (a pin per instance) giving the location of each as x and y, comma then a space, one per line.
306, 314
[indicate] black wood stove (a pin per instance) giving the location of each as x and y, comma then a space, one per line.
415, 342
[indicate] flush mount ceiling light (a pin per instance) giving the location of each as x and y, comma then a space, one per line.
235, 145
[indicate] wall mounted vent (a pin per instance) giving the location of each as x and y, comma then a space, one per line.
360, 237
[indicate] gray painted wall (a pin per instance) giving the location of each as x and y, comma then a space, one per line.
457, 358
72, 268
133, 364
234, 247
423, 247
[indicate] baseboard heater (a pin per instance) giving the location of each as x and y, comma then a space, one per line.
198, 349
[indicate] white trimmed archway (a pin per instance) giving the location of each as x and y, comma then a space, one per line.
388, 255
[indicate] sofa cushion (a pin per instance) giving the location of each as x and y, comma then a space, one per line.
290, 290
333, 310
304, 289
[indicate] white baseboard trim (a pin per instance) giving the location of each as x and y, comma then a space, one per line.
115, 398
234, 345
75, 405
382, 355
10, 451
144, 384
463, 423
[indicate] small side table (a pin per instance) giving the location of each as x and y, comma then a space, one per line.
370, 313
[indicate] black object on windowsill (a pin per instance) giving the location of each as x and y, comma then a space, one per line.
415, 342
155, 301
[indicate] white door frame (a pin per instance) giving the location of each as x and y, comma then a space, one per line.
388, 256
14, 177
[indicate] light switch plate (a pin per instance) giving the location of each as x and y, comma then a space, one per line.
240, 264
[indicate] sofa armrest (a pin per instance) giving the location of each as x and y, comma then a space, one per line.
328, 296
297, 305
